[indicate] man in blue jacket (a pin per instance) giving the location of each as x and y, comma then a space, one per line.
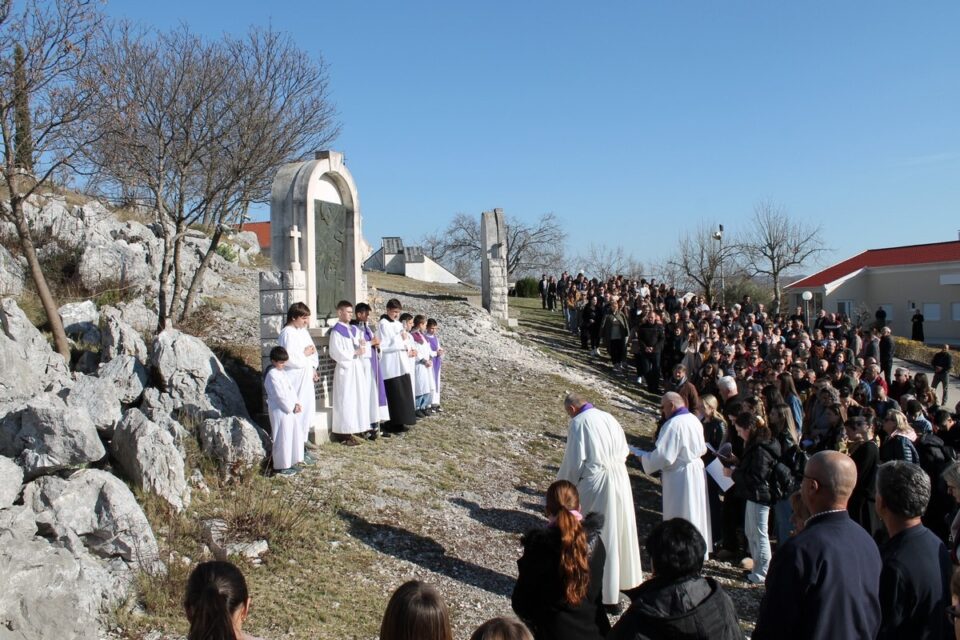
824, 582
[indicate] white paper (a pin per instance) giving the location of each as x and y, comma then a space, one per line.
636, 451
715, 469
710, 448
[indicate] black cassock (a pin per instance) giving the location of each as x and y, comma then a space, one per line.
400, 403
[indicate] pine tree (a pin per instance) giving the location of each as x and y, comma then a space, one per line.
23, 140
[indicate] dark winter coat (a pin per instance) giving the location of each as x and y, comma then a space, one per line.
862, 504
897, 447
688, 609
753, 473
538, 597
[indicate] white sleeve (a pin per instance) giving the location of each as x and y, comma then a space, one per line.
666, 452
290, 341
279, 392
390, 339
573, 455
341, 349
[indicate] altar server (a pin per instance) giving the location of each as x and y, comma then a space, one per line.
433, 338
424, 382
395, 356
302, 367
378, 395
284, 411
351, 378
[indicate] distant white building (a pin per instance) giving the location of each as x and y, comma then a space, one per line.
412, 262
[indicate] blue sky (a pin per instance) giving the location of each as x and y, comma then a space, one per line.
632, 121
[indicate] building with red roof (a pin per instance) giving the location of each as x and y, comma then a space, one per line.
262, 229
901, 280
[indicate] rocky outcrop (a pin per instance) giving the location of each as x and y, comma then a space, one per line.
80, 321
119, 338
95, 510
194, 378
233, 441
126, 375
47, 435
51, 592
148, 456
98, 397
28, 363
12, 274
11, 477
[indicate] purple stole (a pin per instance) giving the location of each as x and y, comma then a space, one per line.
345, 331
375, 366
434, 343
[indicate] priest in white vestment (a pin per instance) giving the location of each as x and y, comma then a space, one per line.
351, 378
302, 367
595, 461
678, 456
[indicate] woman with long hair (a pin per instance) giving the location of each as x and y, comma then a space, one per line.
784, 431
752, 477
788, 389
559, 590
900, 436
714, 433
416, 612
216, 602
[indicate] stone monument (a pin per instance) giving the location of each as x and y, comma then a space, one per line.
315, 248
493, 268
315, 204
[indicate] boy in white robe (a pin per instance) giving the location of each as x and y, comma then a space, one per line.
301, 369
379, 411
433, 339
283, 409
393, 364
423, 383
595, 460
410, 362
351, 378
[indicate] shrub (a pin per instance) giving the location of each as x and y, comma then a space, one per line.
227, 252
917, 352
527, 287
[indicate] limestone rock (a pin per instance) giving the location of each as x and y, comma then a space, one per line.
47, 436
136, 314
119, 338
17, 522
233, 441
80, 321
126, 375
98, 511
157, 404
87, 363
99, 398
11, 477
28, 363
50, 592
12, 274
148, 456
194, 377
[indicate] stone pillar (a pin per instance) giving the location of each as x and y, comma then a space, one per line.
278, 290
493, 268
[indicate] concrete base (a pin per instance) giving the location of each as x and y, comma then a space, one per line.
510, 322
322, 426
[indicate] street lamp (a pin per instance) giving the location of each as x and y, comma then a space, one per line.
718, 236
807, 297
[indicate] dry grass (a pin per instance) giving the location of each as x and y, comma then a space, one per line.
390, 282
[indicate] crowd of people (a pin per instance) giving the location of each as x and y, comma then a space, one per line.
385, 378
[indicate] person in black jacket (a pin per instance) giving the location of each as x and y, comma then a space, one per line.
677, 602
558, 593
942, 363
650, 338
752, 477
915, 579
863, 449
886, 353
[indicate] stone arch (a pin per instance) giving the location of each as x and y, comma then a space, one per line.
297, 190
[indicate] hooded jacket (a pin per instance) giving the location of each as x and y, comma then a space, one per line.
691, 608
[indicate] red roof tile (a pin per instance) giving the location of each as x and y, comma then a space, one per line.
893, 256
262, 229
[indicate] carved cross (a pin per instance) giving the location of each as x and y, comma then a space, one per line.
295, 236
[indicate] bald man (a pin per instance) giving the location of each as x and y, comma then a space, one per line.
677, 454
825, 581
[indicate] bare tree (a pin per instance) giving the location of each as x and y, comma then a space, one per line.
199, 128
775, 243
602, 262
530, 247
276, 110
54, 39
699, 258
